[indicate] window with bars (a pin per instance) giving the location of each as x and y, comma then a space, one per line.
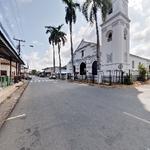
82, 53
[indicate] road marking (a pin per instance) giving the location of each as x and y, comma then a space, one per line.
16, 117
84, 85
136, 117
42, 81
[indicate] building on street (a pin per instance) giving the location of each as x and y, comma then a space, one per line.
50, 70
115, 48
10, 62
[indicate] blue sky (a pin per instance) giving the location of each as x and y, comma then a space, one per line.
26, 19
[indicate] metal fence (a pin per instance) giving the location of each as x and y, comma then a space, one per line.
111, 77
5, 81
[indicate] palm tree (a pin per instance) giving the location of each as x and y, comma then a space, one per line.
70, 19
58, 38
51, 30
90, 10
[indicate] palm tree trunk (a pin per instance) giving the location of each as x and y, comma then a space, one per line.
71, 42
53, 58
59, 61
98, 44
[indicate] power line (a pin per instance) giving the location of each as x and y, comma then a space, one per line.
7, 22
19, 15
15, 16
6, 34
19, 44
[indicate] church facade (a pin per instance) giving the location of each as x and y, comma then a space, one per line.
115, 54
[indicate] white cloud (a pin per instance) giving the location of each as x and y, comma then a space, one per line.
136, 4
139, 13
85, 32
35, 60
140, 29
37, 43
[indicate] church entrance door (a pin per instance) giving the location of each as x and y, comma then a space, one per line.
83, 69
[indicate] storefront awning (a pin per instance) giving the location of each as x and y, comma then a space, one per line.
7, 50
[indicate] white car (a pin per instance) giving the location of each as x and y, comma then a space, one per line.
53, 76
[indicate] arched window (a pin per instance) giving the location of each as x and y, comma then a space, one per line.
83, 69
110, 10
94, 68
125, 34
109, 36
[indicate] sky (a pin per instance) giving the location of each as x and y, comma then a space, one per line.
26, 19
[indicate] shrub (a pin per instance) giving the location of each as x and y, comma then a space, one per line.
142, 72
128, 79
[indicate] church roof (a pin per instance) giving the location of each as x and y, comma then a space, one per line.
84, 44
140, 57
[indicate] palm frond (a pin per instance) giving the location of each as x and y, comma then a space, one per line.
90, 8
77, 5
60, 26
106, 6
91, 17
85, 9
66, 2
71, 10
74, 17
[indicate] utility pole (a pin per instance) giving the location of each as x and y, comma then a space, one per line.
19, 45
19, 52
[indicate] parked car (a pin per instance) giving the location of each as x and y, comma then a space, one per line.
53, 76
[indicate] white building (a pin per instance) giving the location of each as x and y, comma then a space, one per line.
5, 68
115, 46
50, 70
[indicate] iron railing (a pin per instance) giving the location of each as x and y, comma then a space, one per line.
5, 81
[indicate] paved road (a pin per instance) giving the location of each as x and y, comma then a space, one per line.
68, 116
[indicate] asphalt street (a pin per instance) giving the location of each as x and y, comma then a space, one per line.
70, 116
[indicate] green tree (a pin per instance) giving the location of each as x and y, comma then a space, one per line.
90, 10
34, 72
52, 30
142, 72
70, 18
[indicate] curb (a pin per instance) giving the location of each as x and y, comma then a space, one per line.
13, 105
113, 86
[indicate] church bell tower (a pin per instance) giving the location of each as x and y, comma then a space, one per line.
116, 37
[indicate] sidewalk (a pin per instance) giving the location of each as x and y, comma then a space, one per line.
9, 98
6, 92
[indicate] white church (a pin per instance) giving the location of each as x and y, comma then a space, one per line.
115, 48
